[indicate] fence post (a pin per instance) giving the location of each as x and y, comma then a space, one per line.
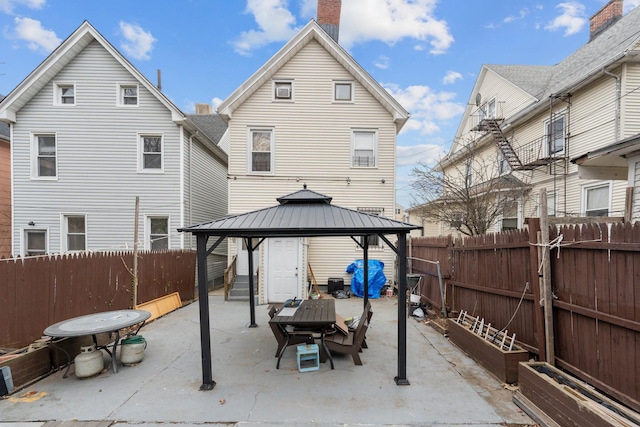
538, 315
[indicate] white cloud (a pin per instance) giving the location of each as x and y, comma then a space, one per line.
382, 62
571, 20
451, 77
523, 12
421, 153
360, 21
38, 39
391, 21
215, 102
275, 23
630, 4
427, 107
137, 43
8, 6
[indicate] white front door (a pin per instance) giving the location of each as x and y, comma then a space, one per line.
283, 262
242, 260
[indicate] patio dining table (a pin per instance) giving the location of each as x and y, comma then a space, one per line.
97, 323
317, 316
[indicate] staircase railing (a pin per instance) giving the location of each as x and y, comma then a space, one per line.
230, 275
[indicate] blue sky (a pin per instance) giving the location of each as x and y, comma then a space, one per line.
427, 53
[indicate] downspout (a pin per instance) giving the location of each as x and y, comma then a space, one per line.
618, 101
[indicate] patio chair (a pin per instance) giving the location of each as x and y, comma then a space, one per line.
349, 344
295, 337
368, 313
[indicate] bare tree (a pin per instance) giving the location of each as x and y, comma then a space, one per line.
470, 196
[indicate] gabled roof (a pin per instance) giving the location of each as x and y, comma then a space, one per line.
313, 31
533, 79
303, 213
63, 55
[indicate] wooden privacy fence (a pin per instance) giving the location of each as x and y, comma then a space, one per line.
595, 279
38, 292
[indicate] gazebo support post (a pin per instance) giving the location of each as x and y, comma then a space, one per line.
401, 379
252, 300
203, 302
365, 250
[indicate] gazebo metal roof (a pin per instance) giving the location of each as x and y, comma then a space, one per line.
304, 213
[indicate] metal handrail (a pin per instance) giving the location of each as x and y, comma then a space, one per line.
442, 291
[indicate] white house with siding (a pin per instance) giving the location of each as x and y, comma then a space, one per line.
89, 134
532, 121
311, 115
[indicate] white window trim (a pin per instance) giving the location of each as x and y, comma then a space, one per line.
519, 217
583, 196
120, 97
381, 245
147, 229
482, 114
34, 157
64, 230
23, 240
275, 82
375, 148
141, 168
545, 138
250, 130
343, 101
57, 94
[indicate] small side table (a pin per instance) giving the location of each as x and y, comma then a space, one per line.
308, 358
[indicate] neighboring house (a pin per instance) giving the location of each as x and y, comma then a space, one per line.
311, 115
618, 161
90, 134
529, 121
5, 190
417, 215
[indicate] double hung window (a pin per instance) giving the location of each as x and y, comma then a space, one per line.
151, 153
261, 150
596, 199
128, 95
554, 133
374, 240
35, 242
158, 233
45, 158
364, 146
76, 233
64, 94
510, 216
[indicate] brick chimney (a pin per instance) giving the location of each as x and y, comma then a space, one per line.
329, 17
204, 109
604, 18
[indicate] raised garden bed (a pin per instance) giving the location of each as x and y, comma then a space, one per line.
554, 398
491, 353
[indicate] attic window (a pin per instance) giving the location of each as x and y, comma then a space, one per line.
283, 90
128, 95
343, 91
64, 93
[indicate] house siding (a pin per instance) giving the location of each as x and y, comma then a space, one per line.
313, 146
205, 178
630, 107
5, 199
103, 190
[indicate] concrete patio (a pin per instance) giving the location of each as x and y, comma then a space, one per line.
447, 388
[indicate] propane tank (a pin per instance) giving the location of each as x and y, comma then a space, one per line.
89, 362
132, 349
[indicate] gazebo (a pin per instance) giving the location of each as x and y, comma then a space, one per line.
304, 213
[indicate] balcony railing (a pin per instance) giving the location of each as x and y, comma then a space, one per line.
536, 153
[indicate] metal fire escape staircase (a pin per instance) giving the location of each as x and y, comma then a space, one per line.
492, 126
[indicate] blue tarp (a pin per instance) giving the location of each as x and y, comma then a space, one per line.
377, 278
